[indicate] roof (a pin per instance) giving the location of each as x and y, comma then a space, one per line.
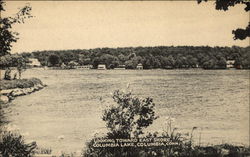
101, 65
34, 61
230, 61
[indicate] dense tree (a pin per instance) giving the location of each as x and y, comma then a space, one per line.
5, 61
191, 61
14, 60
54, 60
129, 64
167, 57
122, 58
67, 57
240, 33
7, 36
84, 60
210, 64
222, 63
133, 62
109, 60
171, 61
246, 60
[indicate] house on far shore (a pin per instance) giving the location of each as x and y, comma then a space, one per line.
101, 67
139, 66
63, 66
72, 65
33, 62
230, 63
168, 67
89, 66
120, 67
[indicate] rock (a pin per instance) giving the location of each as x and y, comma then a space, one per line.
25, 91
11, 97
4, 99
29, 90
9, 94
17, 92
40, 86
6, 91
34, 88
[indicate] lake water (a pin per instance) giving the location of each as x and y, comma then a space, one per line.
65, 114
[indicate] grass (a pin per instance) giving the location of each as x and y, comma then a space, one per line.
19, 83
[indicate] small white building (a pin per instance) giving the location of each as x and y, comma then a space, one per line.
101, 67
63, 66
230, 63
120, 67
139, 66
33, 62
84, 66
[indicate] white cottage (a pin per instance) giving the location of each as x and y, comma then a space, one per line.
139, 66
33, 62
101, 67
230, 63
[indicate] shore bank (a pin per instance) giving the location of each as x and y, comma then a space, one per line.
9, 89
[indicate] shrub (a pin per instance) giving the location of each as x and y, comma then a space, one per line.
12, 144
129, 116
126, 119
3, 119
19, 83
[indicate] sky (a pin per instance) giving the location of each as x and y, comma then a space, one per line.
60, 25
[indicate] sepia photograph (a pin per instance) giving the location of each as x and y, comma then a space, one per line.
124, 78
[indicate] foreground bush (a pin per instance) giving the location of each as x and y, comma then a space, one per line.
129, 116
13, 145
126, 119
19, 83
3, 119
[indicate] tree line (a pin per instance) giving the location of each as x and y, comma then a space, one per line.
164, 57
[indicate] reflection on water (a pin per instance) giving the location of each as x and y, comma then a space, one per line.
66, 113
